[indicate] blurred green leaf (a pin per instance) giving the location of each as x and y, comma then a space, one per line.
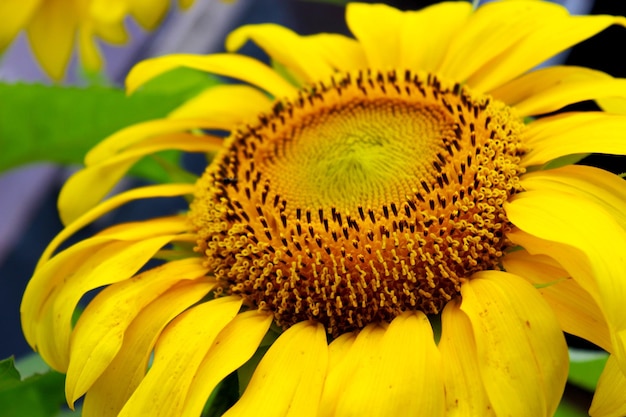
40, 395
567, 409
586, 367
60, 124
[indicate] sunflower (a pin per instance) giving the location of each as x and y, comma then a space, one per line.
54, 27
393, 226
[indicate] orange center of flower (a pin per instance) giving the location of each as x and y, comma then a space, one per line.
360, 199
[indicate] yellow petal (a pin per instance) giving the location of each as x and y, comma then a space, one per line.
556, 35
14, 14
404, 372
492, 30
597, 246
289, 379
231, 349
522, 353
120, 379
164, 389
425, 35
113, 262
340, 52
465, 393
609, 400
51, 34
226, 105
88, 51
347, 358
229, 65
574, 308
570, 133
167, 190
98, 335
375, 27
538, 81
52, 273
600, 186
562, 94
185, 4
148, 13
87, 187
283, 45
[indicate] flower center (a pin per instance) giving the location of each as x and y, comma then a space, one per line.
361, 198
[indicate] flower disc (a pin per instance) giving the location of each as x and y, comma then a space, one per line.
363, 197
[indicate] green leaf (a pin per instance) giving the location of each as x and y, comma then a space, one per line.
41, 395
586, 367
569, 409
60, 124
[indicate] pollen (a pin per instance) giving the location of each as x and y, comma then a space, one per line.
367, 195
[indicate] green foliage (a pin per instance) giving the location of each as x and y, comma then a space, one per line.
586, 367
40, 395
60, 124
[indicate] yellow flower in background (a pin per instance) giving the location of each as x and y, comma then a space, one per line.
56, 27
391, 203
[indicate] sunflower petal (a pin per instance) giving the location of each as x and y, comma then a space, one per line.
231, 349
292, 371
375, 27
497, 28
20, 11
229, 65
522, 353
151, 191
120, 379
608, 400
88, 50
591, 234
574, 308
226, 105
567, 134
404, 372
164, 389
283, 45
113, 262
340, 52
87, 187
98, 335
556, 35
51, 34
148, 13
600, 186
465, 392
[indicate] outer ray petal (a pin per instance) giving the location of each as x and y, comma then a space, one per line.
226, 105
87, 187
114, 262
164, 389
350, 353
425, 35
285, 46
608, 400
88, 51
574, 308
521, 350
592, 234
230, 349
555, 36
20, 11
560, 95
115, 386
375, 27
99, 333
535, 82
569, 133
229, 65
340, 52
51, 34
465, 393
148, 13
600, 186
404, 372
497, 28
152, 191
289, 379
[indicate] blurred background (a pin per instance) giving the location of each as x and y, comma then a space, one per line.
28, 216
